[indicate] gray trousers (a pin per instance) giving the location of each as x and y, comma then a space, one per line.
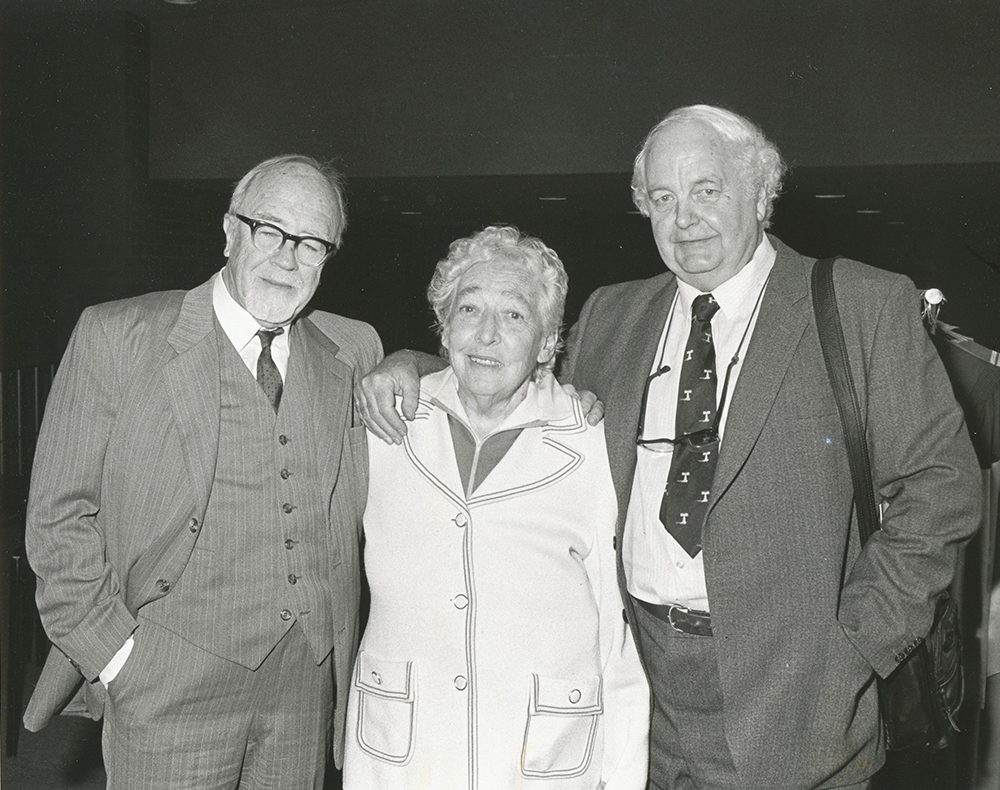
180, 717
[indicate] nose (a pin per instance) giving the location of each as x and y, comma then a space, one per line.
487, 330
686, 215
284, 256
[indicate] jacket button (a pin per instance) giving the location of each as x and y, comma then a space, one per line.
285, 474
461, 520
282, 439
289, 544
614, 542
193, 525
376, 678
574, 696
460, 601
163, 585
292, 578
625, 616
461, 683
284, 614
287, 508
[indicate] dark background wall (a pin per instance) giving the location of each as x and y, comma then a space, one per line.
122, 127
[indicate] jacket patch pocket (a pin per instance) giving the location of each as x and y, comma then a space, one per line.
385, 707
563, 715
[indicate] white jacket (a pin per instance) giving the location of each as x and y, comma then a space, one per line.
496, 654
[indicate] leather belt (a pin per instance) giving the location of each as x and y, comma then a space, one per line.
680, 618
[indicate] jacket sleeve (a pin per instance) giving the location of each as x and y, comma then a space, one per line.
926, 476
79, 595
626, 692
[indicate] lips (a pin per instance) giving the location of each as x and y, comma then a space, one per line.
485, 361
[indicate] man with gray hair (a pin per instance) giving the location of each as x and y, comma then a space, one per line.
760, 622
194, 516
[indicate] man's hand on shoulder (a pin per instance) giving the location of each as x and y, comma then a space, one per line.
375, 396
593, 409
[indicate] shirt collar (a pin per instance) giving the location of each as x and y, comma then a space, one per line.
737, 295
544, 403
240, 327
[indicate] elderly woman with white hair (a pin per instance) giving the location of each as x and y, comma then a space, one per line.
495, 655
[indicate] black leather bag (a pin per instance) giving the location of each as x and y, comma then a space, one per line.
920, 698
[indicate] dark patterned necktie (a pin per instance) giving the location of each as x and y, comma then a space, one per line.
267, 372
692, 467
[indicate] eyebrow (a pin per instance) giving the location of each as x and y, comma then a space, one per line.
273, 220
471, 289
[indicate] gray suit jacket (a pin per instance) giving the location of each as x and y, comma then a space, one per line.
114, 508
801, 619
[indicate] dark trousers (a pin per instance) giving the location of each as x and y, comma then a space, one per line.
180, 717
688, 749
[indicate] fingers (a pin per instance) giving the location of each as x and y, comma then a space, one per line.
593, 409
596, 414
375, 396
375, 404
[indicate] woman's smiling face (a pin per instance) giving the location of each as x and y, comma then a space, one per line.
495, 334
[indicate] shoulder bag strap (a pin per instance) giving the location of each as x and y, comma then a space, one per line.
831, 340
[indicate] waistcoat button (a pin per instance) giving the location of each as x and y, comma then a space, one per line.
284, 614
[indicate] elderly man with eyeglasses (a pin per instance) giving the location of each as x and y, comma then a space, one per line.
195, 508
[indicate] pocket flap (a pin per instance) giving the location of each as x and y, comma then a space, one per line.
384, 678
567, 696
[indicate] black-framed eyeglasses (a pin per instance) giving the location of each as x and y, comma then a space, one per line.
309, 250
702, 438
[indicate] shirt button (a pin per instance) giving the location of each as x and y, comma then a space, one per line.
285, 474
193, 525
289, 544
292, 578
680, 563
460, 601
574, 696
287, 508
461, 683
284, 614
282, 439
461, 520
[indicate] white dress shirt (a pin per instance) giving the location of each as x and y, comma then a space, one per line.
241, 328
657, 568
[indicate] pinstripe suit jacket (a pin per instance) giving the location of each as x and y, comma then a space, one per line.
801, 619
115, 506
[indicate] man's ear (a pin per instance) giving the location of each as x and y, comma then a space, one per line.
761, 204
227, 226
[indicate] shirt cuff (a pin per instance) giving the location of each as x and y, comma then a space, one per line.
110, 672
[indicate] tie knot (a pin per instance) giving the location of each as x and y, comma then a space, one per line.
267, 336
704, 307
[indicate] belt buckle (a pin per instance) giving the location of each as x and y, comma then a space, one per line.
670, 616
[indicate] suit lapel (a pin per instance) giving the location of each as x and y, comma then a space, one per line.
328, 385
624, 397
785, 312
192, 379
